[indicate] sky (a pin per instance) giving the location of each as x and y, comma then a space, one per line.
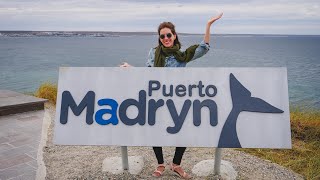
300, 17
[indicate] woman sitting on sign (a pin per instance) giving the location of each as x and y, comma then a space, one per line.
168, 54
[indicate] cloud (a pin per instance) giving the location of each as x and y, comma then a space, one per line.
137, 15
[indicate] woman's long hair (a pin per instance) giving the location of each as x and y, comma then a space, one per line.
172, 28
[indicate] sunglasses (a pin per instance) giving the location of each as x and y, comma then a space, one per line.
162, 36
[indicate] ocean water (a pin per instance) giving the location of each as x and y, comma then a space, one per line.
26, 62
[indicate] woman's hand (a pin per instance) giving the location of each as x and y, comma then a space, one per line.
213, 19
125, 64
207, 33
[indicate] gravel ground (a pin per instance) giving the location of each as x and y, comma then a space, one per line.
85, 162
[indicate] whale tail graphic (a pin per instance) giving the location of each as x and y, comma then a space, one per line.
241, 101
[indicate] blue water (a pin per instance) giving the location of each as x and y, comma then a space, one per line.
26, 62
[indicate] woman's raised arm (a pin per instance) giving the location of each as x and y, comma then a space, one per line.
210, 22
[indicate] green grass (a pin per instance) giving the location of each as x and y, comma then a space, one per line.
303, 158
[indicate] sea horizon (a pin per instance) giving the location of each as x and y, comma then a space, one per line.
150, 33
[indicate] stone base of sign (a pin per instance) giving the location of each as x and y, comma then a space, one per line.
114, 165
206, 167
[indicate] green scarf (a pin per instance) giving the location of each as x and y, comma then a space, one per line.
163, 52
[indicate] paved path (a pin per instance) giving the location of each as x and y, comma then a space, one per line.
20, 135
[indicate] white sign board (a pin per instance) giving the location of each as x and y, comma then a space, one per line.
188, 107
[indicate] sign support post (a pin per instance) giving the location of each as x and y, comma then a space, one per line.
124, 154
217, 161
